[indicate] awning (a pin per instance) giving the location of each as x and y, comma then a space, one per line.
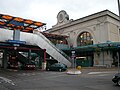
94, 47
54, 36
17, 23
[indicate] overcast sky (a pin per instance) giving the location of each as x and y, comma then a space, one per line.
46, 10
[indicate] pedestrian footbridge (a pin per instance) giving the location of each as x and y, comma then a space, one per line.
37, 39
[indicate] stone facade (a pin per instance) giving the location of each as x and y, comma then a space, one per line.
103, 27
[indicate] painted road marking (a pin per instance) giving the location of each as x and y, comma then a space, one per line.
98, 73
6, 80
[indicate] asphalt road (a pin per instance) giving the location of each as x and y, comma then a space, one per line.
90, 79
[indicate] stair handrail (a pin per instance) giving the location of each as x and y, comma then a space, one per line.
50, 43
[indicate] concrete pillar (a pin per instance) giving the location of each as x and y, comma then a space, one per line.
43, 65
45, 55
108, 59
104, 59
16, 35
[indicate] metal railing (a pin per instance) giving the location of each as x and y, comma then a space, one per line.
50, 43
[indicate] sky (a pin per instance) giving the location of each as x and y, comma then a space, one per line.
46, 10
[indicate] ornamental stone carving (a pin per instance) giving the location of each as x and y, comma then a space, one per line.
62, 18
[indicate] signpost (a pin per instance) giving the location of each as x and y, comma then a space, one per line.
73, 59
73, 71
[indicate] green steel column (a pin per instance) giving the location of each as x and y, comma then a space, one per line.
118, 62
103, 57
5, 61
29, 55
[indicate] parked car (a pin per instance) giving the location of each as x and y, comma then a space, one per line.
116, 79
28, 66
57, 67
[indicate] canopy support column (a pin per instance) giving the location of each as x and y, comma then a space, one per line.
44, 61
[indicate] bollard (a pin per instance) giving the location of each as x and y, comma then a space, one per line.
79, 67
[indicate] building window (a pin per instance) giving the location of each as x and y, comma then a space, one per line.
84, 39
59, 41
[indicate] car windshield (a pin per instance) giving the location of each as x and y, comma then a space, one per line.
118, 74
58, 64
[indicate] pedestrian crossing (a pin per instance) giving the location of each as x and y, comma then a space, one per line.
6, 80
103, 73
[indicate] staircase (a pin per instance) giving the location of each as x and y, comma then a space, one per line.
22, 59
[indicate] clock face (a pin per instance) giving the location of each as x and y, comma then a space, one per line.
60, 17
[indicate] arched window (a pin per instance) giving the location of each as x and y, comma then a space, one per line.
84, 39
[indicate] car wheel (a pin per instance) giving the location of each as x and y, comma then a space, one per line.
60, 70
118, 83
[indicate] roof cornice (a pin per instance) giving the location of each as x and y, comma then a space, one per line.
86, 18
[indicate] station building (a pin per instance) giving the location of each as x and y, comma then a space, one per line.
94, 38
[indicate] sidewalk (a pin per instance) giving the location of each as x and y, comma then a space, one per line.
99, 68
87, 70
96, 69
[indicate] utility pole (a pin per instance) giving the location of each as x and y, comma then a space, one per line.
119, 22
119, 7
